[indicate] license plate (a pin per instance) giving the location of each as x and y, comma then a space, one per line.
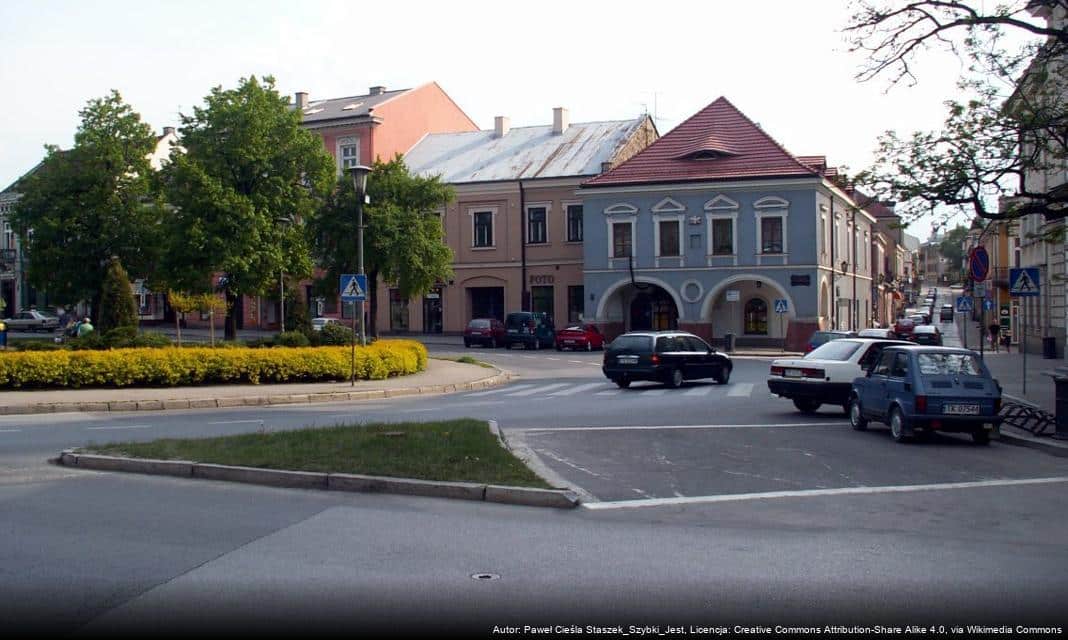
569, 342
513, 331
961, 409
792, 373
627, 360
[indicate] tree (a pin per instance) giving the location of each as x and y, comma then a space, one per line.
117, 306
403, 239
183, 303
249, 178
97, 200
952, 247
1009, 123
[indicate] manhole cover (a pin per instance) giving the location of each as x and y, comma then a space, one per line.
485, 576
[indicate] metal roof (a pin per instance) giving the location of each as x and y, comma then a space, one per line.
522, 153
345, 108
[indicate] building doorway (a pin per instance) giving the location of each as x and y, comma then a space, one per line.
653, 310
486, 302
432, 316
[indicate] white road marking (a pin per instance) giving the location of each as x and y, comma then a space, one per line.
238, 422
500, 390
611, 392
654, 392
579, 388
693, 426
810, 493
578, 362
10, 430
703, 390
122, 428
557, 359
530, 392
740, 390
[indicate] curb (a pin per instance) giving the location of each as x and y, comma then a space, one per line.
1029, 441
501, 377
554, 498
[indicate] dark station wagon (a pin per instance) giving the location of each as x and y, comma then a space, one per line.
918, 390
670, 357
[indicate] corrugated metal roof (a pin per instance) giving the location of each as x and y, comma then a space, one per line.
351, 107
522, 153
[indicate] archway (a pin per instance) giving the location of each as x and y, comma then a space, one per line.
653, 309
641, 305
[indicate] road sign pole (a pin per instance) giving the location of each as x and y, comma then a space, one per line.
982, 328
1023, 348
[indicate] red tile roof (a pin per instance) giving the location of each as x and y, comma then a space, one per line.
717, 143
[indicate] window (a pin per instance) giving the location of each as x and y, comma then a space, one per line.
541, 300
901, 366
722, 237
398, 311
771, 235
536, 231
574, 223
621, 239
483, 235
669, 238
575, 303
823, 235
348, 153
756, 317
883, 368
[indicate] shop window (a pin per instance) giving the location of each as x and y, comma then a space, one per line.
756, 317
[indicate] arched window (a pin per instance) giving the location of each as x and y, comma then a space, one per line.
756, 317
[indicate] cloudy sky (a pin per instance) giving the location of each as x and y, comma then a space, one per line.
784, 63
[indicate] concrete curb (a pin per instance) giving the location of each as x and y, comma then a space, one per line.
499, 378
1024, 439
555, 498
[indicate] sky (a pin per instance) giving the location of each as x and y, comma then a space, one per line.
784, 63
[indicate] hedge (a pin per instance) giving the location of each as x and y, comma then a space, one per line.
169, 367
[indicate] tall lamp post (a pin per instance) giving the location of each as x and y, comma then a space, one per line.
359, 181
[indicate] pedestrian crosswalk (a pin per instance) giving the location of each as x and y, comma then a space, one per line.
606, 388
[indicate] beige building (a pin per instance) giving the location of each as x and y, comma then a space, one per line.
515, 227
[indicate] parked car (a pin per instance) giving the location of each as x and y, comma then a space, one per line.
886, 334
663, 356
821, 337
826, 375
32, 321
317, 324
927, 334
579, 336
920, 319
488, 332
919, 390
530, 329
945, 314
904, 327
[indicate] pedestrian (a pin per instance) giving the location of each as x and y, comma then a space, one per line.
995, 329
85, 327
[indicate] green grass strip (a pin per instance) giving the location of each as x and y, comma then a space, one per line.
461, 450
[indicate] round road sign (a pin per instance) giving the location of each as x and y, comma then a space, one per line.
979, 264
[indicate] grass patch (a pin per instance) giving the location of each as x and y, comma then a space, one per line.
467, 360
461, 450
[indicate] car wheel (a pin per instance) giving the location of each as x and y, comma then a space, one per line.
981, 437
675, 378
856, 415
805, 405
558, 347
723, 375
622, 383
897, 425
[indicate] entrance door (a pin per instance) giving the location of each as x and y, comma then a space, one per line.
432, 316
486, 302
641, 313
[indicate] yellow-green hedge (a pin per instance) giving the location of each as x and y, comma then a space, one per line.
168, 367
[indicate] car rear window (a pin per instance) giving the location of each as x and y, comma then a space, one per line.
834, 350
517, 319
635, 343
948, 364
479, 324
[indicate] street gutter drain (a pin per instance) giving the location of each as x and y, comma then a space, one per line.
485, 576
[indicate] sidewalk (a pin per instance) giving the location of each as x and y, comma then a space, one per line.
441, 376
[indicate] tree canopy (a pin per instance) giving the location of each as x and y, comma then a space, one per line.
1007, 126
249, 178
403, 239
82, 206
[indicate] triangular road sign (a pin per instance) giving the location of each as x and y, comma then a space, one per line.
353, 290
1023, 283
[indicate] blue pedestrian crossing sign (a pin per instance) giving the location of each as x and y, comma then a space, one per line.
1024, 282
781, 306
964, 304
353, 287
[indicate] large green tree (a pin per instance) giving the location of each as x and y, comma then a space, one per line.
82, 206
403, 238
248, 179
1007, 123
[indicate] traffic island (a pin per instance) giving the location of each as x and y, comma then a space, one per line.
460, 459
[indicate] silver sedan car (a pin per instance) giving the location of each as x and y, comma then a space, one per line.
32, 321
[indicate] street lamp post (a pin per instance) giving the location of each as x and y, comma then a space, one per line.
359, 181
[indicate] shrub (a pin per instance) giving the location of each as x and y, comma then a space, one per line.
291, 339
203, 365
152, 339
336, 334
36, 345
117, 306
120, 336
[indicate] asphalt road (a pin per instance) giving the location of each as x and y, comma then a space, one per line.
705, 505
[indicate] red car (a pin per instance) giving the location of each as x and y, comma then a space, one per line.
904, 327
579, 336
488, 332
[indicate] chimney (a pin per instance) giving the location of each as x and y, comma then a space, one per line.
168, 131
560, 120
302, 100
500, 126
376, 90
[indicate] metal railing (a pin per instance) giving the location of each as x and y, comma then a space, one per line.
1033, 419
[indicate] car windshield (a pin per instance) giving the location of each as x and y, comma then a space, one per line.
949, 364
636, 343
479, 324
834, 350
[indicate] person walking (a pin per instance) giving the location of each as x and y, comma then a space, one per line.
995, 329
85, 328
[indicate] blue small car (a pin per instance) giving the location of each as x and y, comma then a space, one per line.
919, 390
